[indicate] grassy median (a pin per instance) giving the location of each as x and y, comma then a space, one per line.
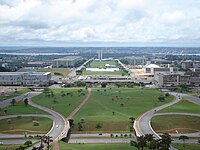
176, 124
109, 110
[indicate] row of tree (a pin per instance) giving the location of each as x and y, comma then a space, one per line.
149, 141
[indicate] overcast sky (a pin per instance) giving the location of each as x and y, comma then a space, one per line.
82, 22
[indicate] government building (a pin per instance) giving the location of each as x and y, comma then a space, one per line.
25, 78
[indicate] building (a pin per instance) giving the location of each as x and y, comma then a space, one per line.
187, 64
153, 68
135, 61
164, 79
68, 61
25, 78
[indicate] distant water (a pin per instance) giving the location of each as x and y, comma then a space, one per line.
36, 54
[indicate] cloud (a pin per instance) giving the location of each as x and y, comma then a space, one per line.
99, 21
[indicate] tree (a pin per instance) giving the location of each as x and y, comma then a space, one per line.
98, 126
165, 141
141, 142
132, 119
184, 138
113, 113
28, 143
103, 84
80, 127
26, 102
161, 98
13, 102
135, 144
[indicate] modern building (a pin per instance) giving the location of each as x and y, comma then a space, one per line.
153, 68
135, 61
187, 64
68, 61
25, 78
164, 79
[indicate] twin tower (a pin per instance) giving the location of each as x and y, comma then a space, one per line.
100, 56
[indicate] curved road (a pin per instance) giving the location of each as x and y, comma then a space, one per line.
7, 136
142, 124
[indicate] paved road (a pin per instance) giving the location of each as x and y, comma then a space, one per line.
142, 124
100, 140
62, 124
18, 98
21, 141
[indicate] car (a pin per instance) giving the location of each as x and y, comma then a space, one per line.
1, 143
56, 126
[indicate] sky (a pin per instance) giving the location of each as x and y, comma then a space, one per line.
100, 22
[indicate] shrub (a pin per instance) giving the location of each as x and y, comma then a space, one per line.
28, 143
36, 123
9, 121
98, 126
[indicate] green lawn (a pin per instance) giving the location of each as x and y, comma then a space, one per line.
65, 146
102, 104
116, 73
100, 64
20, 108
171, 123
186, 147
62, 104
62, 71
20, 91
25, 125
9, 147
183, 106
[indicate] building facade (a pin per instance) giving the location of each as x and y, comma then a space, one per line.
135, 61
164, 79
68, 61
25, 78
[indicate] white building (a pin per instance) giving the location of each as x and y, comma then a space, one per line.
25, 78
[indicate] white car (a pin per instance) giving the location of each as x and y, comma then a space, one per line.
56, 126
1, 143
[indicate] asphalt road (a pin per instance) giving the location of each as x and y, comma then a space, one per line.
142, 124
18, 98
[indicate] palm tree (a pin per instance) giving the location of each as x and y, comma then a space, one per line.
26, 102
132, 119
13, 102
165, 141
141, 142
150, 140
184, 138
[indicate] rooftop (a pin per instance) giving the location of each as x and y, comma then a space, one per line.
25, 73
67, 58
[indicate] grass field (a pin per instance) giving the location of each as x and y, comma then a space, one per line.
20, 108
20, 91
65, 146
173, 123
9, 147
62, 104
116, 73
187, 146
101, 64
62, 71
99, 109
25, 125
183, 106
